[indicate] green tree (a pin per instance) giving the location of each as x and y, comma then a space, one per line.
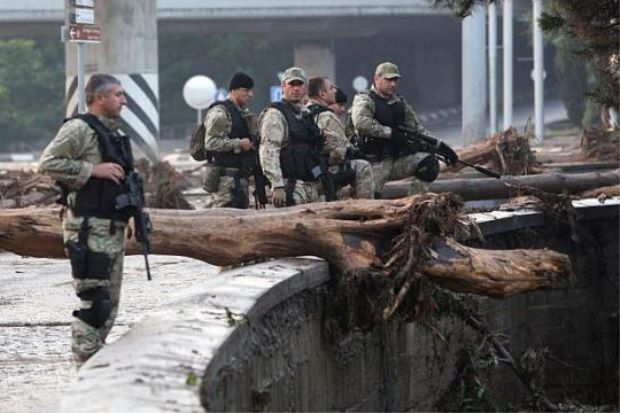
572, 78
31, 95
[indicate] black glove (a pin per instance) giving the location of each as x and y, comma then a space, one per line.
400, 137
448, 153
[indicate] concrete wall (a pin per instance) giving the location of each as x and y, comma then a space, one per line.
260, 338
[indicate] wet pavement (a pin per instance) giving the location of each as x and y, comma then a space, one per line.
36, 301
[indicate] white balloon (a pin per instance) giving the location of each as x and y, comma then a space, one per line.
199, 91
360, 83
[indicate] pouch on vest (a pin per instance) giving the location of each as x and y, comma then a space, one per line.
197, 143
211, 181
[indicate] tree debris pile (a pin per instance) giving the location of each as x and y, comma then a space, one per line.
507, 153
600, 145
19, 189
163, 185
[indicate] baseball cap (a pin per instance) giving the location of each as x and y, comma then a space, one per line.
387, 70
294, 73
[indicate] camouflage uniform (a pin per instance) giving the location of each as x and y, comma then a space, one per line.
273, 129
218, 125
336, 145
69, 159
388, 168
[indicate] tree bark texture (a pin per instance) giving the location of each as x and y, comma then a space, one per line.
385, 237
507, 186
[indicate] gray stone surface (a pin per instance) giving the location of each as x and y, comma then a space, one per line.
36, 300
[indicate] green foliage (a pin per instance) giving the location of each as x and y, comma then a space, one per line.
31, 93
572, 78
218, 56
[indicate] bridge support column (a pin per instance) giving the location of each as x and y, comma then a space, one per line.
128, 51
474, 76
316, 59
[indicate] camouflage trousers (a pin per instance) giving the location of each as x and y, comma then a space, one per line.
391, 169
364, 179
223, 197
305, 192
107, 237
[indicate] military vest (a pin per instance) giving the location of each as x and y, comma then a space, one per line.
97, 198
300, 158
387, 114
239, 130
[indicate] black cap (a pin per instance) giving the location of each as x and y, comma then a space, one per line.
341, 97
240, 79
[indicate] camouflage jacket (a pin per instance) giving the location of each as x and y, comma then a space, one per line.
273, 130
365, 124
218, 125
333, 132
70, 157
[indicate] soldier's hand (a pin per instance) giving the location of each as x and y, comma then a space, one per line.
448, 153
246, 144
278, 197
109, 170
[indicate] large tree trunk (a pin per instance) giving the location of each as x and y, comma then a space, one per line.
385, 237
507, 186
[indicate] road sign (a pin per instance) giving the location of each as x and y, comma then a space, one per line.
84, 33
83, 16
275, 93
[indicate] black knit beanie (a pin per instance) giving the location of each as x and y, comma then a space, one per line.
240, 79
341, 97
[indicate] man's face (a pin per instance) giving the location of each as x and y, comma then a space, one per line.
294, 90
328, 94
112, 101
387, 87
242, 96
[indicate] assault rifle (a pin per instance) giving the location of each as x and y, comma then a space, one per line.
419, 142
134, 200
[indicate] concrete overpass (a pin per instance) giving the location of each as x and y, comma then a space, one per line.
33, 18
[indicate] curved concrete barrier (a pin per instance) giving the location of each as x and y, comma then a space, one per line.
222, 330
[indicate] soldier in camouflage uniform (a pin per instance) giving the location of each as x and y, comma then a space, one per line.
93, 230
229, 126
290, 144
379, 117
344, 168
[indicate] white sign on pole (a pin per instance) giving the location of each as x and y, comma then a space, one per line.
84, 3
84, 16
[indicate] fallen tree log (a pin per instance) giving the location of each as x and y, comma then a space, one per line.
392, 239
507, 186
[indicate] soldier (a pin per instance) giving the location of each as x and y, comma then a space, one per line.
90, 160
339, 107
291, 144
229, 126
384, 124
344, 169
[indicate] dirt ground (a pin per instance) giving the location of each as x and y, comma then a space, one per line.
36, 301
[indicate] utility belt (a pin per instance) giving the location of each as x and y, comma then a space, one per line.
211, 183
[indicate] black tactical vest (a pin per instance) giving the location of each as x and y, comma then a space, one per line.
387, 114
97, 198
301, 156
239, 130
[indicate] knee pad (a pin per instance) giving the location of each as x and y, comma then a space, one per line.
427, 169
100, 308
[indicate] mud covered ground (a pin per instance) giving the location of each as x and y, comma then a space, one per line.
36, 300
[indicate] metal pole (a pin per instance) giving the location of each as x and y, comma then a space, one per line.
199, 117
80, 79
539, 97
492, 68
507, 41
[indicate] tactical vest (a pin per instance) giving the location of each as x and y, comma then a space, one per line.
300, 158
387, 114
239, 130
97, 198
